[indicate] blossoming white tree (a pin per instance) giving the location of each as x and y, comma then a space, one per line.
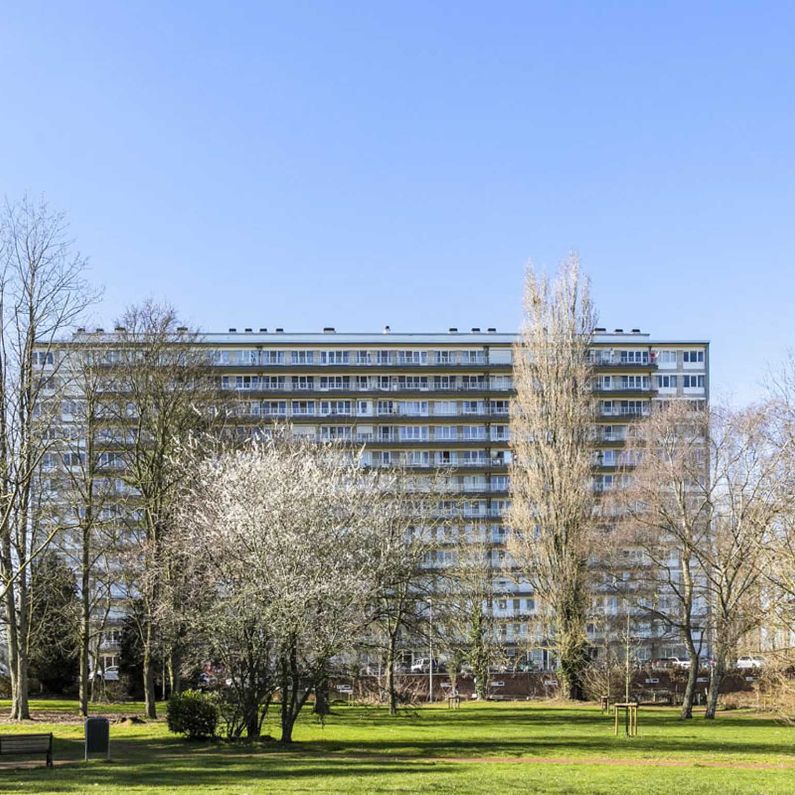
285, 528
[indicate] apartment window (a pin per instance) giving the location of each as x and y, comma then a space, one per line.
443, 357
413, 433
335, 407
274, 408
444, 432
634, 357
666, 358
247, 382
693, 381
384, 357
40, 358
362, 357
333, 357
271, 382
268, 357
443, 382
666, 381
303, 382
634, 382
303, 357
303, 407
418, 408
693, 357
387, 407
364, 407
500, 406
471, 407
335, 382
473, 432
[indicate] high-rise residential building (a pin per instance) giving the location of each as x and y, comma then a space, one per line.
431, 400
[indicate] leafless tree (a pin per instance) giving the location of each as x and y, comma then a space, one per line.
465, 599
748, 502
163, 394
42, 292
92, 510
552, 420
407, 529
662, 507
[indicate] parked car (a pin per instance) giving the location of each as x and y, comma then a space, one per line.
422, 666
750, 663
670, 664
110, 674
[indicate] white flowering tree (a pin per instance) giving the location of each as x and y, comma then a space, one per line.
285, 530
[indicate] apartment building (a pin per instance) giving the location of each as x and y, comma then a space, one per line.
428, 400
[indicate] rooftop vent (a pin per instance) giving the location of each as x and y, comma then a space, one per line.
453, 330
492, 330
100, 330
280, 331
233, 331
248, 330
179, 328
81, 330
600, 329
329, 330
387, 330
636, 331
619, 331
475, 330
263, 330
121, 328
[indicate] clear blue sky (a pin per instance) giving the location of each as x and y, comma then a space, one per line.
304, 164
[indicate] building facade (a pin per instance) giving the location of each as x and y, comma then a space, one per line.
442, 400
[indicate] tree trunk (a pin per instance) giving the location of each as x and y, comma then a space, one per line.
690, 688
150, 696
85, 623
174, 665
571, 653
21, 696
13, 643
391, 686
716, 678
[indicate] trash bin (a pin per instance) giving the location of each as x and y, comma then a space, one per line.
97, 737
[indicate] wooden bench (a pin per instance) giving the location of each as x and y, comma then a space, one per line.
26, 745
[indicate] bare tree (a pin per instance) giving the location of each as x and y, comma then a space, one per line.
465, 597
662, 507
407, 529
162, 394
552, 420
748, 502
92, 509
42, 292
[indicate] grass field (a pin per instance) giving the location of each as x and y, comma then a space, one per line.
481, 748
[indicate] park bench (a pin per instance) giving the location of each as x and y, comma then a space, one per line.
26, 745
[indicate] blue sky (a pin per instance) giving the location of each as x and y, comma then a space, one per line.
303, 164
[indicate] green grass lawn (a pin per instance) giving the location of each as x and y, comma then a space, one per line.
528, 747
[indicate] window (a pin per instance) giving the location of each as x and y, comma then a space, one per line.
500, 406
634, 357
666, 358
362, 357
40, 358
303, 407
303, 357
666, 381
693, 357
693, 381
333, 357
269, 357
335, 382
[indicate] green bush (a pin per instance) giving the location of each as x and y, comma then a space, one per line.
193, 714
